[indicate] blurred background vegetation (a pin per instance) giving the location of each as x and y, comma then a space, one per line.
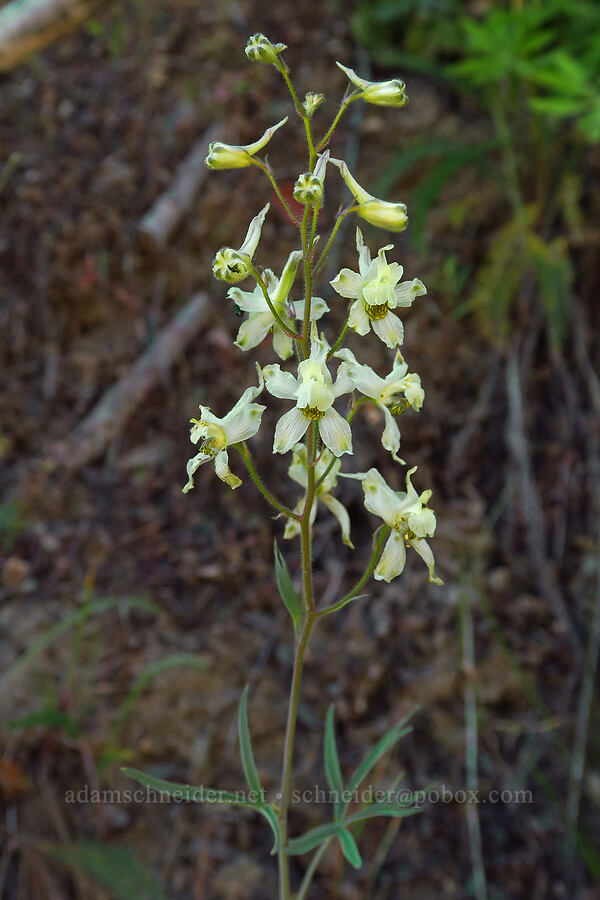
130, 616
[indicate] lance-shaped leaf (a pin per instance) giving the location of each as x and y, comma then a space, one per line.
349, 848
311, 839
246, 753
332, 761
374, 755
201, 794
198, 794
286, 588
391, 810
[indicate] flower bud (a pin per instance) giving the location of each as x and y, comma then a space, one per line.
309, 186
391, 216
260, 49
311, 102
380, 93
308, 189
232, 156
234, 265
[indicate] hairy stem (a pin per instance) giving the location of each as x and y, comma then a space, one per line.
275, 186
244, 452
308, 620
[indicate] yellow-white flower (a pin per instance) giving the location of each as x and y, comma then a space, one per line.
406, 513
240, 423
393, 394
298, 471
376, 291
309, 186
381, 93
261, 320
314, 392
382, 213
260, 49
234, 265
234, 156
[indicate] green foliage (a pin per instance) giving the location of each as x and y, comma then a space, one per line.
116, 868
343, 796
253, 800
287, 591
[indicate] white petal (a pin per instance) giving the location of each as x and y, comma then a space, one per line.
358, 318
290, 429
283, 344
335, 433
391, 435
254, 330
243, 423
192, 465
341, 513
380, 499
224, 472
390, 329
347, 284
392, 559
254, 229
318, 308
280, 384
408, 290
426, 554
292, 527
364, 256
298, 467
249, 301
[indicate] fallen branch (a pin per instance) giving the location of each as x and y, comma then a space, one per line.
27, 26
162, 219
92, 436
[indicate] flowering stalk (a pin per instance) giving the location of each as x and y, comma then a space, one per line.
318, 435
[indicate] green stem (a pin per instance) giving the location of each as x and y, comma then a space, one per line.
244, 452
312, 155
314, 864
308, 621
307, 281
343, 107
340, 337
334, 231
377, 550
275, 186
286, 328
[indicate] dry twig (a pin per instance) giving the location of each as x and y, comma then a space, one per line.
27, 26
105, 421
162, 219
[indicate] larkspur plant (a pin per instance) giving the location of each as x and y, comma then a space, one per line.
318, 436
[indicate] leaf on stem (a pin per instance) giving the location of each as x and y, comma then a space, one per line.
332, 762
311, 839
374, 755
349, 848
246, 753
287, 591
391, 810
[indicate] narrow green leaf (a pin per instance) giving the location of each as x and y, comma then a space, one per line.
311, 839
391, 810
286, 588
332, 760
349, 848
246, 753
374, 755
269, 813
189, 792
116, 868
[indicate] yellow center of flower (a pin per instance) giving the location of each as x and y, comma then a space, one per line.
376, 311
312, 413
399, 406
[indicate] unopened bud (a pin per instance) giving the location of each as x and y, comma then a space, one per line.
308, 189
260, 49
311, 102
